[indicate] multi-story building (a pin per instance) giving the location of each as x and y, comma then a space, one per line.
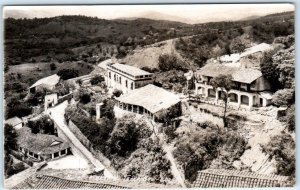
250, 89
126, 78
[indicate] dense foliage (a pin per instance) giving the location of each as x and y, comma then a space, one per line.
284, 97
66, 74
282, 148
97, 79
42, 125
207, 147
169, 62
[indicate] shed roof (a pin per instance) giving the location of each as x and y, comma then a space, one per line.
14, 121
216, 178
50, 80
151, 97
40, 144
244, 75
134, 71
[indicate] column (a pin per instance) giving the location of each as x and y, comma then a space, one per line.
52, 156
217, 95
196, 91
239, 100
251, 101
59, 153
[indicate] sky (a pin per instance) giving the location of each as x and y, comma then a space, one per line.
186, 13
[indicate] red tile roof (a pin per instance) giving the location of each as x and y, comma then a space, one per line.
51, 182
217, 178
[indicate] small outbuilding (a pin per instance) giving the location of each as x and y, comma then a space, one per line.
41, 147
15, 122
48, 83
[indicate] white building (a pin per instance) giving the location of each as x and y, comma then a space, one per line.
48, 83
250, 89
15, 122
148, 101
126, 78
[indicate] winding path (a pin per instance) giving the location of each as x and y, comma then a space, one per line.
57, 114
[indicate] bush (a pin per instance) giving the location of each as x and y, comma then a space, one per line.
85, 98
97, 79
66, 74
117, 93
284, 97
52, 66
170, 62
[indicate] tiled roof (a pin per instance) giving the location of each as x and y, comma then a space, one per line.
151, 97
40, 143
217, 178
134, 71
51, 182
50, 80
244, 75
13, 121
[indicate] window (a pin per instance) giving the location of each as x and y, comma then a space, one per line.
109, 75
120, 80
126, 83
131, 86
56, 154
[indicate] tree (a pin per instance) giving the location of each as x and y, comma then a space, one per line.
124, 137
237, 46
224, 82
282, 148
97, 79
66, 74
10, 143
269, 70
43, 125
52, 66
284, 97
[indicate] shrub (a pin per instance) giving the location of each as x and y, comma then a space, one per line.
97, 79
170, 62
117, 92
284, 97
85, 98
52, 66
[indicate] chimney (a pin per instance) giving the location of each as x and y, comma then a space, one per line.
98, 112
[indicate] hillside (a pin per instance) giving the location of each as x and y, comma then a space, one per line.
47, 39
149, 55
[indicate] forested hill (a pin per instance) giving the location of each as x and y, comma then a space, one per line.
55, 38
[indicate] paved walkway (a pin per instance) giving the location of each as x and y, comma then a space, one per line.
57, 114
176, 173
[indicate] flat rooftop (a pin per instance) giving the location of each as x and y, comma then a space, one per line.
130, 70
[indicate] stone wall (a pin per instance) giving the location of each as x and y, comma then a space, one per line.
81, 137
86, 142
